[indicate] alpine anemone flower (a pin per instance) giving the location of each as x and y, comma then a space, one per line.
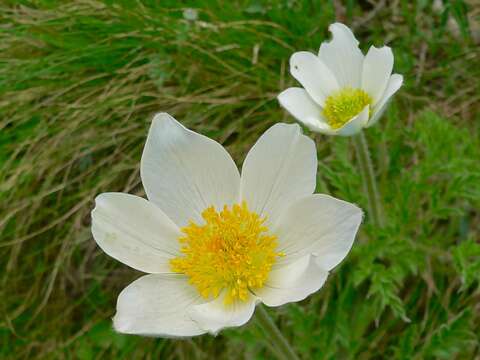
214, 243
343, 90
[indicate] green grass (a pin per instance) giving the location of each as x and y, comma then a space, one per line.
79, 83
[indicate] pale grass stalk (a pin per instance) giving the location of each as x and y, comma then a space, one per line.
375, 210
284, 350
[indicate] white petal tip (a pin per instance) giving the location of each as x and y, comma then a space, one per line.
298, 59
381, 48
120, 326
161, 119
335, 27
162, 116
283, 96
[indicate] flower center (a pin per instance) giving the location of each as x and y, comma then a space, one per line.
232, 252
343, 105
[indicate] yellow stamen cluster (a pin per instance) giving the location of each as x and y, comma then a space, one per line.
343, 105
231, 253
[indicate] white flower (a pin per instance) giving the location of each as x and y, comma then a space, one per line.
216, 243
344, 91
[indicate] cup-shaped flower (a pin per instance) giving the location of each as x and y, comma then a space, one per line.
343, 90
216, 243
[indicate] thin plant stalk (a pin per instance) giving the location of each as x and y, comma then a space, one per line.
284, 350
375, 210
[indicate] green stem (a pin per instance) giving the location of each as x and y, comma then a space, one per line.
284, 350
368, 176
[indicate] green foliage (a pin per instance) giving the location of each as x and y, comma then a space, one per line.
466, 258
449, 339
79, 82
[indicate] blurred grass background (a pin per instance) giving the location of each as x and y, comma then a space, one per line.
79, 83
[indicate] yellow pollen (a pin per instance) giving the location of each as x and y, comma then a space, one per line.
343, 105
231, 253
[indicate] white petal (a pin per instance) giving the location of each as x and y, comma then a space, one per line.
320, 225
184, 172
293, 282
314, 76
377, 68
322, 128
135, 232
356, 124
393, 85
280, 168
157, 305
304, 109
343, 56
215, 315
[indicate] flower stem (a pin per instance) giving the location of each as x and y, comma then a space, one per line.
369, 184
284, 350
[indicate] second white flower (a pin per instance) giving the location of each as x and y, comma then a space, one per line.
343, 90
